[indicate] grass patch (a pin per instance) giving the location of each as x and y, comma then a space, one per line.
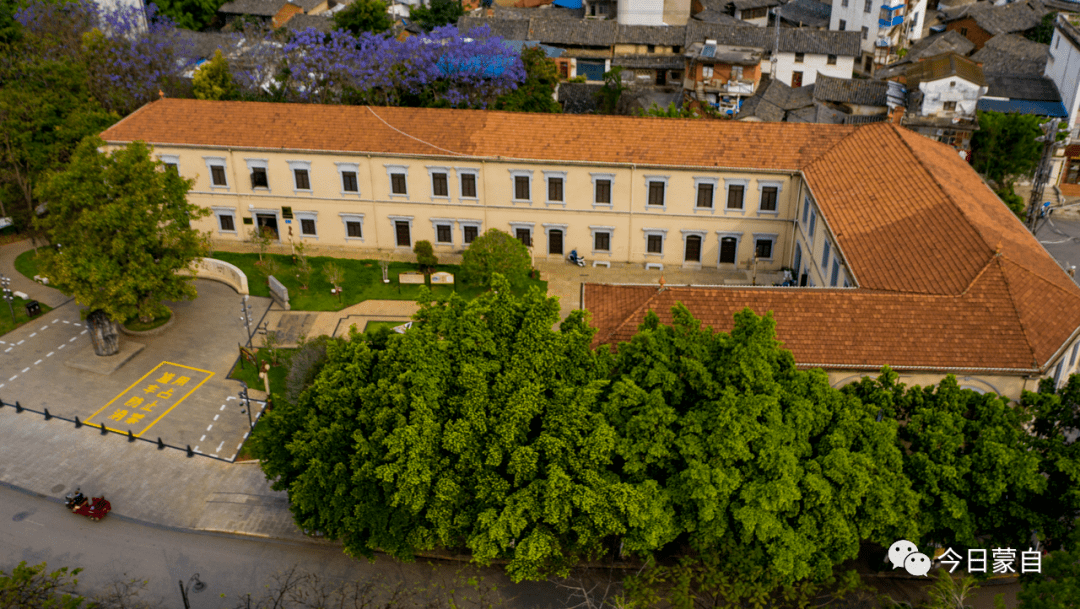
28, 264
363, 281
375, 325
244, 371
19, 306
134, 325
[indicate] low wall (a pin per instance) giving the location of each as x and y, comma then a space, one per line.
219, 270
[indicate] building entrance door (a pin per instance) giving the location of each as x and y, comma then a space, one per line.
727, 250
693, 248
555, 241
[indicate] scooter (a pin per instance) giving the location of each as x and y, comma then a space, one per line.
94, 509
573, 257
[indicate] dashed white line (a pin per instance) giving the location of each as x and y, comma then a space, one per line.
49, 354
83, 332
73, 338
1, 385
222, 407
33, 335
66, 321
78, 325
245, 435
21, 342
2, 342
61, 346
210, 427
239, 446
202, 438
26, 369
216, 416
44, 327
231, 397
37, 362
196, 449
8, 349
13, 378
219, 446
55, 320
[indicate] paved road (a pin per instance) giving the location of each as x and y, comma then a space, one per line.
39, 529
1061, 237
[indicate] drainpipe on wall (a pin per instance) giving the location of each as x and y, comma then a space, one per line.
630, 238
374, 205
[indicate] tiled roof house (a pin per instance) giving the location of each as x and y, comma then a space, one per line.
939, 276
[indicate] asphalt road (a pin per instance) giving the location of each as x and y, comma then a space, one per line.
1061, 237
37, 529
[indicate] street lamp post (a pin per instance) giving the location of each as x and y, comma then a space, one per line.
245, 405
5, 282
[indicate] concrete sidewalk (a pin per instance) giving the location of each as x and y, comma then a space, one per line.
19, 283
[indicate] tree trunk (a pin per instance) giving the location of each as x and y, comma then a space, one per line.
103, 333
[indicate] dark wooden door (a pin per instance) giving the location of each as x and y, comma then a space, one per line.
693, 248
403, 237
555, 242
727, 250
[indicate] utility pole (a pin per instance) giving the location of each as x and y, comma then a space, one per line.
776, 47
1050, 142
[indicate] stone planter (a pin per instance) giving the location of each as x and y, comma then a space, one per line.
152, 332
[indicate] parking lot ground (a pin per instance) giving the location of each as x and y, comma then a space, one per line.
174, 389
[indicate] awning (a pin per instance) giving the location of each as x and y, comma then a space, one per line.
568, 3
1023, 106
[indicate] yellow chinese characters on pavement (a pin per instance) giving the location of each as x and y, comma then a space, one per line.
150, 398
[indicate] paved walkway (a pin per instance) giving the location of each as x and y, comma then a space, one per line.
291, 325
36, 291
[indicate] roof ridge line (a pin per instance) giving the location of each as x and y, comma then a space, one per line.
979, 274
633, 314
1019, 322
817, 158
941, 187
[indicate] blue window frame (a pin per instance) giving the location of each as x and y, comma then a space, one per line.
835, 272
813, 223
825, 258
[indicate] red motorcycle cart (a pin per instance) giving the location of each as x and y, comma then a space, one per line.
95, 508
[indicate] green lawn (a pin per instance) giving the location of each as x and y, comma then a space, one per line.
363, 281
375, 325
27, 264
20, 314
250, 375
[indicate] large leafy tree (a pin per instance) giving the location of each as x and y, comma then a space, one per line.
190, 14
767, 473
537, 92
1056, 429
437, 13
1057, 586
124, 226
1004, 147
495, 252
478, 429
969, 459
213, 80
364, 16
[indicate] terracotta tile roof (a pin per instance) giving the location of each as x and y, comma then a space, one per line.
478, 133
948, 278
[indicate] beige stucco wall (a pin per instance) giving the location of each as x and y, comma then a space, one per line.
1010, 386
628, 217
643, 49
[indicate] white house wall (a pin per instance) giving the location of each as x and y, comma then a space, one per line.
937, 93
917, 8
856, 19
641, 12
1063, 67
810, 66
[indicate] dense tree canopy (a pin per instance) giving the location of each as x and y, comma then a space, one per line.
123, 223
213, 80
495, 252
537, 92
364, 16
1004, 147
437, 13
190, 14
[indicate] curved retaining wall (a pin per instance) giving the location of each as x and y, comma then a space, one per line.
219, 270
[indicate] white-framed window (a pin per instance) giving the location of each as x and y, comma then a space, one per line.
693, 244
602, 184
301, 172
556, 238
309, 223
555, 182
521, 185
440, 182
654, 241
444, 231
705, 193
735, 194
600, 236
226, 219
470, 230
729, 247
523, 232
259, 172
403, 229
769, 196
656, 192
468, 182
398, 177
171, 161
349, 174
706, 72
354, 226
215, 165
765, 246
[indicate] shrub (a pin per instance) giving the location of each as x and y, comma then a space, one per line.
495, 252
425, 256
304, 366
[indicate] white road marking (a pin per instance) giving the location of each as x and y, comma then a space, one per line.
210, 427
13, 378
20, 342
245, 435
231, 397
8, 349
1, 385
55, 320
222, 407
49, 354
219, 446
83, 332
26, 369
202, 438
73, 338
196, 449
66, 321
33, 335
2, 342
216, 416
61, 346
214, 455
37, 362
44, 327
78, 325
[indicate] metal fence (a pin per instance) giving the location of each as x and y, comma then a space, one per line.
161, 445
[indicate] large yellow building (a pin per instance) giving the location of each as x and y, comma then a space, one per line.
917, 264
